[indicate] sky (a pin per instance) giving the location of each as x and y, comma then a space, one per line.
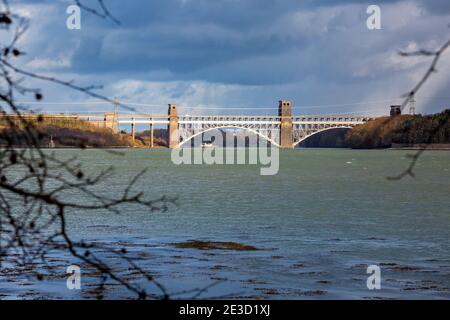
239, 56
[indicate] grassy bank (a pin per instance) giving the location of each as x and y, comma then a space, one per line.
63, 133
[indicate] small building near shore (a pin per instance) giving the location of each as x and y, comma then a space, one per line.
396, 111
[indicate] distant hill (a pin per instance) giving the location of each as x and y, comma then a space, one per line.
404, 130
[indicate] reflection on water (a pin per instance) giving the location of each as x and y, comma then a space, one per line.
318, 224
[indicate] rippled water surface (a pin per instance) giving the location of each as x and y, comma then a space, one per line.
318, 223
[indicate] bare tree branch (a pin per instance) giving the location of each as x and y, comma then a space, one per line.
34, 183
437, 55
102, 13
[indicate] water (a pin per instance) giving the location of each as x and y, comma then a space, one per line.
319, 223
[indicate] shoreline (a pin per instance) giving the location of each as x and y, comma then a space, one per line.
87, 147
437, 147
420, 146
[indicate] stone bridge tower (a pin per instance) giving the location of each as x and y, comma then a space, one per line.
172, 128
110, 121
285, 114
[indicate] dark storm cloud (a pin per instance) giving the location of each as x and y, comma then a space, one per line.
184, 36
437, 6
244, 42
190, 36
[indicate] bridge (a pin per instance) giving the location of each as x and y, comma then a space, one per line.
284, 130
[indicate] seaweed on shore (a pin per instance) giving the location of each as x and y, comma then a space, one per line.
214, 245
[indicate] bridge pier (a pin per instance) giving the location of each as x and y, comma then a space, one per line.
172, 127
110, 121
133, 129
151, 133
286, 132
